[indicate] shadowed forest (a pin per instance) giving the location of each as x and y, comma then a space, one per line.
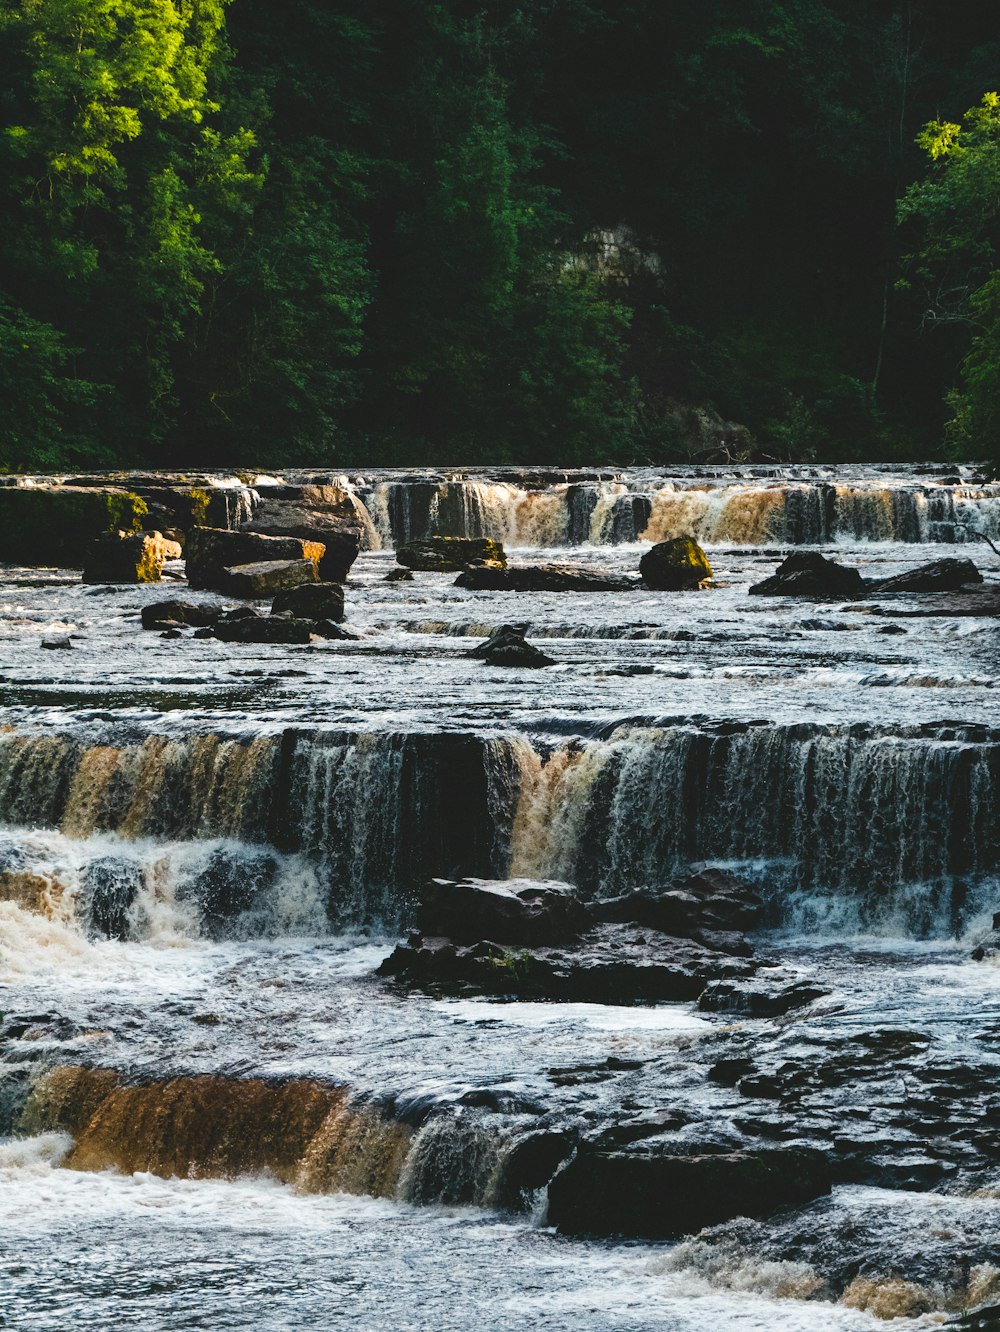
523, 231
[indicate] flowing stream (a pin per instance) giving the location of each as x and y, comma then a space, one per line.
213, 1113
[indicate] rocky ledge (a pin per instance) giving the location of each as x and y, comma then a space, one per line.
541, 940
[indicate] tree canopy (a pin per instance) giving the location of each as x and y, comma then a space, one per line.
510, 231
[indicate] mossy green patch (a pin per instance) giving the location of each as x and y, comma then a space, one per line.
54, 525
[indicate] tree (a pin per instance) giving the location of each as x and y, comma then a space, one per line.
955, 267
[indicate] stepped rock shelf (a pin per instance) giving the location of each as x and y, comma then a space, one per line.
535, 873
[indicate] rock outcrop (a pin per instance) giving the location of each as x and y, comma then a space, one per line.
809, 574
266, 578
161, 614
448, 554
211, 552
55, 525
540, 940
676, 565
323, 514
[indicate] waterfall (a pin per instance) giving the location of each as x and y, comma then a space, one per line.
305, 1133
312, 829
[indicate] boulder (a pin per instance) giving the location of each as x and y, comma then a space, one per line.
446, 554
664, 1197
608, 964
212, 551
673, 566
329, 515
160, 613
128, 557
330, 629
542, 578
399, 576
311, 601
946, 575
55, 525
506, 646
809, 574
266, 578
263, 629
512, 911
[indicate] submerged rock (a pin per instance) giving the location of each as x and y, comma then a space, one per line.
448, 554
759, 998
541, 578
267, 578
311, 601
675, 565
665, 1197
507, 646
263, 629
946, 575
159, 614
129, 557
809, 574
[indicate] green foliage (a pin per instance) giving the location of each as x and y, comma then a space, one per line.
955, 214
329, 232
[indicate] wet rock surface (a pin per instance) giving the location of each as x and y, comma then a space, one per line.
129, 557
449, 554
675, 565
809, 574
541, 578
266, 578
665, 1197
541, 940
507, 646
318, 514
211, 553
311, 601
946, 575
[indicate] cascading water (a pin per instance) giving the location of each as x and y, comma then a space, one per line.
208, 852
758, 508
878, 817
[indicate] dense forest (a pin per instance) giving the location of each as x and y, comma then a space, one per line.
564, 231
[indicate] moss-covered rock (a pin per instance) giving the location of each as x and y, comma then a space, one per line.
445, 554
55, 525
673, 566
128, 557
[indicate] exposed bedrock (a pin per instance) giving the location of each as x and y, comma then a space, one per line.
808, 574
665, 1197
507, 646
57, 525
128, 557
541, 940
329, 516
